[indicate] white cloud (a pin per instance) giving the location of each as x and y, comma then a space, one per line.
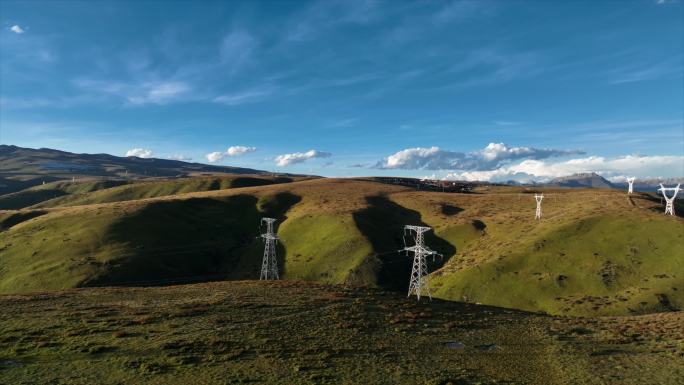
217, 156
239, 150
300, 157
538, 170
180, 157
140, 153
432, 158
17, 29
492, 156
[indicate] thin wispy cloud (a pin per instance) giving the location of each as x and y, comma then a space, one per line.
506, 123
149, 92
247, 96
671, 67
324, 15
461, 10
237, 48
342, 123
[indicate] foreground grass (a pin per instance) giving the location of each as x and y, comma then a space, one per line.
304, 333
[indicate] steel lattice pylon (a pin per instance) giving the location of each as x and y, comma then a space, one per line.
269, 265
630, 189
538, 198
669, 201
419, 271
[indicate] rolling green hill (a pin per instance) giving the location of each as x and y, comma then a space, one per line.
593, 252
43, 192
68, 193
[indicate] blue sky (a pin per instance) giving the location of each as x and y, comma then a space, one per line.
459, 89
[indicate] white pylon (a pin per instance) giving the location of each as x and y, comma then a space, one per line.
269, 265
419, 271
631, 185
538, 198
669, 201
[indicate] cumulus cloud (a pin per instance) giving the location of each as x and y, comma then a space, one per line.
239, 150
140, 152
17, 29
300, 157
493, 156
217, 156
611, 168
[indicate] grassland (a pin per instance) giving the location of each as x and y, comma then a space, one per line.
595, 252
68, 193
292, 332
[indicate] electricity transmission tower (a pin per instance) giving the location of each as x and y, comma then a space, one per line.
419, 271
669, 206
538, 198
269, 265
631, 185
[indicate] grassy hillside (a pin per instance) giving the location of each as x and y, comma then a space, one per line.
43, 192
593, 252
292, 332
68, 193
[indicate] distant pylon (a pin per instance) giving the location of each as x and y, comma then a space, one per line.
419, 271
269, 265
538, 198
669, 201
631, 185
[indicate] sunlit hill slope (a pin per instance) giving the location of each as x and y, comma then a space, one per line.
593, 252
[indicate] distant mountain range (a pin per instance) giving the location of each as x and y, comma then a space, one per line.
594, 180
583, 180
25, 167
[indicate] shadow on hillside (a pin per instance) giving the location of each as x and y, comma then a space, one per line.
15, 218
448, 209
191, 240
382, 223
657, 198
251, 182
